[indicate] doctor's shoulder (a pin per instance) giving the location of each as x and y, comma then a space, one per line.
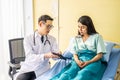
29, 37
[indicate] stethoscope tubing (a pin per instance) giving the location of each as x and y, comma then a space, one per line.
44, 42
61, 57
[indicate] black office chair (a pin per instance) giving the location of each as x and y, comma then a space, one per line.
17, 55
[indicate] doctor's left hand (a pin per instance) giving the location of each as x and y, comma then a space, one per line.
50, 55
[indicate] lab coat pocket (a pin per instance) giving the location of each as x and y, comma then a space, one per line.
36, 49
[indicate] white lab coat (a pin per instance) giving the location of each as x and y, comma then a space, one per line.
35, 60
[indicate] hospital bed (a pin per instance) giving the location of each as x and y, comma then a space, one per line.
113, 60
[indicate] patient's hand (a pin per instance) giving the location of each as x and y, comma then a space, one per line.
84, 64
80, 63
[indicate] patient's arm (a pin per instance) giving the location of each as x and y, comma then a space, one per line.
83, 64
79, 62
94, 59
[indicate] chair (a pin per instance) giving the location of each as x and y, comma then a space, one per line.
17, 55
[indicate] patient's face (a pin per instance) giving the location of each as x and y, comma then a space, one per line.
82, 29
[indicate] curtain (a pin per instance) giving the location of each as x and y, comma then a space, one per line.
12, 26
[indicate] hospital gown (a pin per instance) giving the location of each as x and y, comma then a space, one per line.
85, 51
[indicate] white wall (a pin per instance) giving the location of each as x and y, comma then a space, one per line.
1, 49
15, 21
28, 17
4, 35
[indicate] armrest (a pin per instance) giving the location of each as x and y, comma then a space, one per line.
14, 65
13, 68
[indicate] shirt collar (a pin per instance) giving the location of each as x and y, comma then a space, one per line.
37, 34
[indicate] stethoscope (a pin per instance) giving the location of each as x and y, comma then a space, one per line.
44, 42
61, 57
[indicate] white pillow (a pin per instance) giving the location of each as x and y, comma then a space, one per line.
109, 46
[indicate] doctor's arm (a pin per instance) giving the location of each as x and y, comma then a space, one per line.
30, 53
55, 48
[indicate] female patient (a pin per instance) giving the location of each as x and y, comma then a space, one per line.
88, 49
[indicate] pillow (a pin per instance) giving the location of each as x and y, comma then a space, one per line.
109, 46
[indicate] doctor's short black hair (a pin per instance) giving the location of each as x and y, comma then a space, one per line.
45, 18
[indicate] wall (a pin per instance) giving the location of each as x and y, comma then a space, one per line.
49, 7
28, 16
104, 13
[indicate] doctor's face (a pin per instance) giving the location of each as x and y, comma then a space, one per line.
82, 29
45, 27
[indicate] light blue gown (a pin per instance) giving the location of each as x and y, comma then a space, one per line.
85, 51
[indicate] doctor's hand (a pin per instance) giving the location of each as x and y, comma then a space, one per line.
60, 52
50, 55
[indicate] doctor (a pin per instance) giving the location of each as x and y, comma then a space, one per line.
39, 47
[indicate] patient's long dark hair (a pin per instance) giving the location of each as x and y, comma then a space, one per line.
86, 20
